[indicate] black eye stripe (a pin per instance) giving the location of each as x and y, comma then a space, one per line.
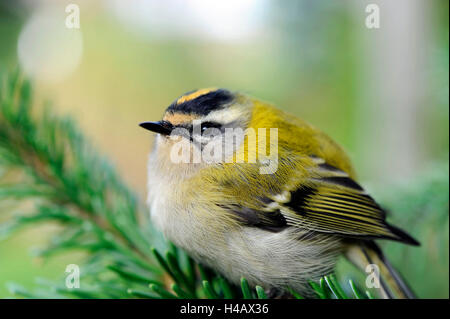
207, 125
203, 127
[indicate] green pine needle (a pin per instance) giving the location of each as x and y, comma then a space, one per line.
260, 292
355, 290
226, 288
246, 291
162, 292
208, 290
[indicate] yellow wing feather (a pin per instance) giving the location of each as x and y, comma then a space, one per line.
313, 188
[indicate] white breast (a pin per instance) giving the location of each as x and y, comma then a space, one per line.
262, 257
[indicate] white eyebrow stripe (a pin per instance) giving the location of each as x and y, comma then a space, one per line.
225, 115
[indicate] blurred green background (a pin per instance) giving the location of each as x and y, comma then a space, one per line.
381, 93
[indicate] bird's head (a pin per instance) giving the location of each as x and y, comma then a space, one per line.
199, 119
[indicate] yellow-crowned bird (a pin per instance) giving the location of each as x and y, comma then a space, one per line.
278, 228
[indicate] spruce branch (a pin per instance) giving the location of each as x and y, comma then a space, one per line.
45, 160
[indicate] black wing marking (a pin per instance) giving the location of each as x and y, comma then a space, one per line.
273, 221
336, 204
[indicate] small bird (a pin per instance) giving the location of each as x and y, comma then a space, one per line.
279, 227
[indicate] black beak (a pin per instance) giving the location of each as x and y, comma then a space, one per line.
161, 127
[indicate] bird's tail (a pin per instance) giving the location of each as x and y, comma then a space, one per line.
367, 254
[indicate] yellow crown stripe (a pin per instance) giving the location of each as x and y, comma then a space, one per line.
194, 95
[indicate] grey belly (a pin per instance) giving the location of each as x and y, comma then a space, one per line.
271, 260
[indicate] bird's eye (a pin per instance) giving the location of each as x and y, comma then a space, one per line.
208, 125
